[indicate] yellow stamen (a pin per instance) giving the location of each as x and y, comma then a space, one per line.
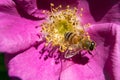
51, 4
81, 15
60, 22
81, 9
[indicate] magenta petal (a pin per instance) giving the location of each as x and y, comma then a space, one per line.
109, 48
16, 33
86, 15
113, 14
45, 4
34, 7
90, 71
105, 62
103, 65
104, 9
8, 6
95, 12
28, 8
28, 66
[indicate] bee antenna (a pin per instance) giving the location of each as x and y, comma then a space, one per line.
96, 52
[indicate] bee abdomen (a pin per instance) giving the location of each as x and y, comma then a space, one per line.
69, 36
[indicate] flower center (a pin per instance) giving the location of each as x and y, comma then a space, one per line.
63, 29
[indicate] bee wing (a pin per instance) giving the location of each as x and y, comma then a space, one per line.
69, 54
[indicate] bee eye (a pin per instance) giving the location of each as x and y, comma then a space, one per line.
92, 46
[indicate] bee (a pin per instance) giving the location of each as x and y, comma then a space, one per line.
77, 43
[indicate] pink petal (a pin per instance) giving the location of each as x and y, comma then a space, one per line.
104, 10
105, 62
8, 6
28, 66
90, 71
28, 8
103, 65
16, 33
111, 45
113, 15
86, 18
45, 4
86, 15
34, 7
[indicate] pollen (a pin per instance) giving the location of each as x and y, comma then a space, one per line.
59, 22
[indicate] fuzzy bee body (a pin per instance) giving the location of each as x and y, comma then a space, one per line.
77, 42
72, 38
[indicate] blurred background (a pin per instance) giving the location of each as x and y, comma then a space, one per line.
3, 71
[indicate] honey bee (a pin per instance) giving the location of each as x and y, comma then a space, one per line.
77, 43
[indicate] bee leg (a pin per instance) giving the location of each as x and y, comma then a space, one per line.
90, 53
83, 53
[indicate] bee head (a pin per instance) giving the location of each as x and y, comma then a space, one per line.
92, 45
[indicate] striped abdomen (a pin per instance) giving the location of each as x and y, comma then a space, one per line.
71, 37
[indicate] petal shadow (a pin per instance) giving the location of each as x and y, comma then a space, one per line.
99, 8
45, 4
15, 78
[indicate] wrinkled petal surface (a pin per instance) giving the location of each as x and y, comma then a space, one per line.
8, 7
104, 64
16, 33
20, 35
86, 14
29, 9
34, 7
105, 10
28, 66
113, 14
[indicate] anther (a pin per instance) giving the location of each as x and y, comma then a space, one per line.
68, 6
81, 14
51, 4
60, 6
43, 11
58, 23
81, 9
